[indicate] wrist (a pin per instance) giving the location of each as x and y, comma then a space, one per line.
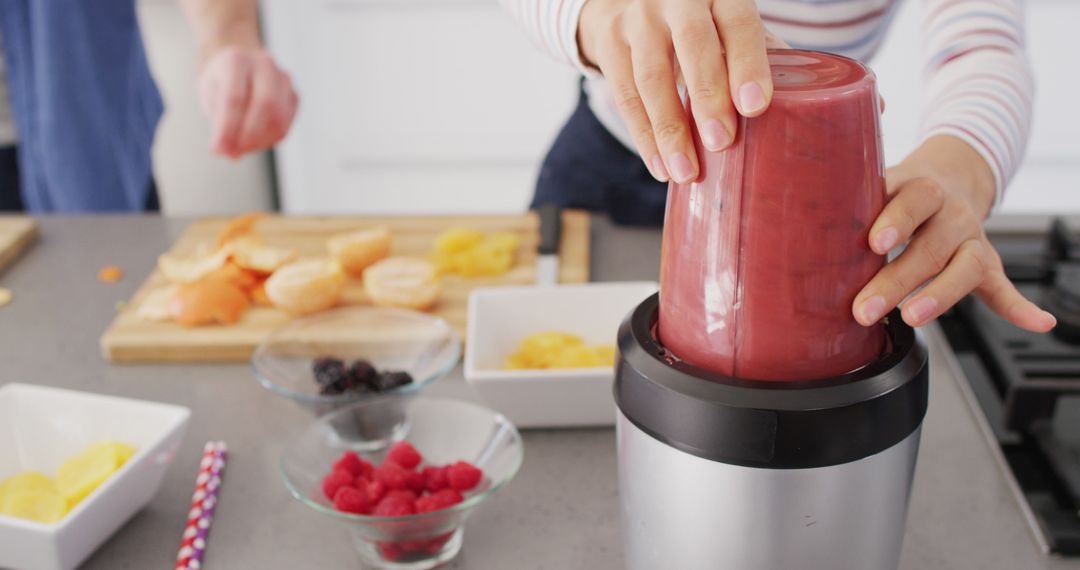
242, 35
592, 12
959, 168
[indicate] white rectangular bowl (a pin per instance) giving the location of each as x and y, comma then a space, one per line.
500, 317
42, 427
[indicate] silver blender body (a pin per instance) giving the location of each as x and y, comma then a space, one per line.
680, 511
718, 473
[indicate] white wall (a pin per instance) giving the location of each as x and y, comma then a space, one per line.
414, 106
190, 179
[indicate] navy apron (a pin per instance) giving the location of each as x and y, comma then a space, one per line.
588, 168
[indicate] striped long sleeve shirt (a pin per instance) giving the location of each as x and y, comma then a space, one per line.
978, 84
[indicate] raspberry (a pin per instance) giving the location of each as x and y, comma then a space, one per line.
406, 494
352, 463
435, 478
415, 480
463, 476
390, 550
335, 480
375, 491
438, 501
351, 500
412, 545
434, 545
394, 507
392, 475
404, 454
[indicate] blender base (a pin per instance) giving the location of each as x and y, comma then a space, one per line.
683, 511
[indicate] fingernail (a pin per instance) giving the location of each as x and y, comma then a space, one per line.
659, 171
873, 309
921, 309
751, 98
681, 169
886, 239
715, 135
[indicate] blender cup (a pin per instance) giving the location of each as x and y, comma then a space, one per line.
765, 252
760, 427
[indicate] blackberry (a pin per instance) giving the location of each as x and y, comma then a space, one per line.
363, 374
389, 380
330, 374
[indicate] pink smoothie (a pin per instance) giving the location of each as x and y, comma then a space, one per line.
765, 252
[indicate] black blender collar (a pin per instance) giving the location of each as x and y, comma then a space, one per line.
776, 425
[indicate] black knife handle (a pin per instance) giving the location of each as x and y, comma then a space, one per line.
550, 228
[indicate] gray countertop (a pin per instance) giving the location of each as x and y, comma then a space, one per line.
561, 512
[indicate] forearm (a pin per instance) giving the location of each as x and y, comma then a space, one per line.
978, 82
221, 23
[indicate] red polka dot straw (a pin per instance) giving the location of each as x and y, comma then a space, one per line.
203, 501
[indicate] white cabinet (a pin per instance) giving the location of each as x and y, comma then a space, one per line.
419, 106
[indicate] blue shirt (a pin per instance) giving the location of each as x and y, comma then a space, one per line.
84, 103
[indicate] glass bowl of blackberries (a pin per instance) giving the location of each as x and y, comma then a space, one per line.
371, 359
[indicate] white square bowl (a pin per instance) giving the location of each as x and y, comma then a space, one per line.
42, 427
500, 317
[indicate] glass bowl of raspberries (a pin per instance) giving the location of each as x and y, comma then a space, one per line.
369, 359
406, 505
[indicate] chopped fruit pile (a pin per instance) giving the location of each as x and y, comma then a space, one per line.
400, 486
220, 281
559, 350
334, 377
470, 253
217, 285
32, 495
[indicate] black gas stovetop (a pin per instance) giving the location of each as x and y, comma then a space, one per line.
1028, 385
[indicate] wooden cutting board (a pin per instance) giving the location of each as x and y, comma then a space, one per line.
16, 234
131, 339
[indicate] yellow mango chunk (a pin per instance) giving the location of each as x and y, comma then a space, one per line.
123, 450
503, 241
35, 496
31, 495
483, 261
606, 354
41, 505
555, 349
576, 357
457, 239
27, 481
80, 475
470, 253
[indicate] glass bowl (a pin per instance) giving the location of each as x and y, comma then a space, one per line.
425, 346
443, 431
